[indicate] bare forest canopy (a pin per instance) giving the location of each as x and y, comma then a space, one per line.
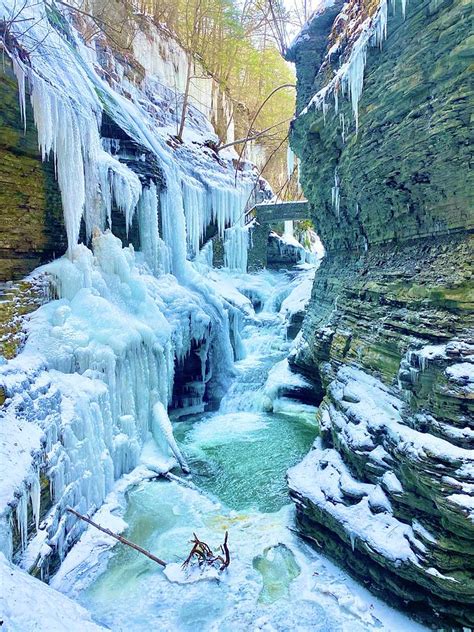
239, 43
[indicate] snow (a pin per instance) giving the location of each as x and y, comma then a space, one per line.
392, 483
19, 439
463, 373
27, 604
299, 297
318, 478
378, 408
464, 502
362, 408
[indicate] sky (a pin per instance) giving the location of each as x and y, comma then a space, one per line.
299, 8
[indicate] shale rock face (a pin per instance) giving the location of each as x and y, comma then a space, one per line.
31, 225
388, 489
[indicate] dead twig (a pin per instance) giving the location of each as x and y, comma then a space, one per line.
202, 553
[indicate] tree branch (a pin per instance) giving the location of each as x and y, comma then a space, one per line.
253, 137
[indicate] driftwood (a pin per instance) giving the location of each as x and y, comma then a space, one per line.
203, 554
117, 537
200, 552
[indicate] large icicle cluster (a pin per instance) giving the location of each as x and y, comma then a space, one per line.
68, 98
94, 381
349, 78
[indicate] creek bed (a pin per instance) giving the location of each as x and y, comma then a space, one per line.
238, 457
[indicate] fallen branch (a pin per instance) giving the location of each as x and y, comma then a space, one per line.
117, 537
200, 551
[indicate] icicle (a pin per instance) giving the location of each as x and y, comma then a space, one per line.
343, 126
119, 185
35, 496
194, 201
236, 248
60, 130
174, 223
404, 7
353, 79
21, 79
351, 74
22, 519
162, 430
380, 26
352, 538
335, 194
154, 249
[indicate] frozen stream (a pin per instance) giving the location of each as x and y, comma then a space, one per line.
238, 457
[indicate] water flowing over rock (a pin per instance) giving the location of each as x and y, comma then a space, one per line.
381, 132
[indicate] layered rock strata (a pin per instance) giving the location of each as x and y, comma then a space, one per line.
388, 489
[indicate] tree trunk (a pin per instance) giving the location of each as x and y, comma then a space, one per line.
185, 98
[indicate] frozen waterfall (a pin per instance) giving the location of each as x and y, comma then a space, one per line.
94, 381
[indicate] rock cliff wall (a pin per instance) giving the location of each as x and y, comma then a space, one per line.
31, 225
388, 337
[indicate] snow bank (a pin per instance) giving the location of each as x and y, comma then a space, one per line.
27, 604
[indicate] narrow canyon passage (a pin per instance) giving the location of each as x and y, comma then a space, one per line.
236, 301
238, 458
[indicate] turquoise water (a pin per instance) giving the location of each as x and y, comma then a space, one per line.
245, 466
239, 461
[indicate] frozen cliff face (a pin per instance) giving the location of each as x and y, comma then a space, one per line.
129, 304
92, 385
120, 111
388, 334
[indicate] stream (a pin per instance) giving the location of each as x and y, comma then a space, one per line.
238, 457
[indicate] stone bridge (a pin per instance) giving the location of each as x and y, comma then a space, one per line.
261, 253
268, 213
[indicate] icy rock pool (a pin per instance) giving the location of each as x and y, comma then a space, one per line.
274, 582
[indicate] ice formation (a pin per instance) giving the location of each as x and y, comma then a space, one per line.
336, 194
349, 78
96, 376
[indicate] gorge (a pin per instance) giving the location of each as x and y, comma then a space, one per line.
153, 376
